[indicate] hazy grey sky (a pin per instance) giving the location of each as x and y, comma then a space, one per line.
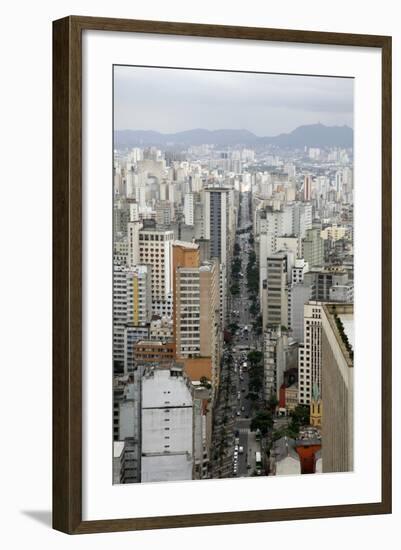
172, 100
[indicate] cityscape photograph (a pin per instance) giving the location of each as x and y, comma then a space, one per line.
233, 274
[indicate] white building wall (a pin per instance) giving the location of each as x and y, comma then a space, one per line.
133, 242
166, 426
189, 208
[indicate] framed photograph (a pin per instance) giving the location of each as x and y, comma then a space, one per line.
221, 275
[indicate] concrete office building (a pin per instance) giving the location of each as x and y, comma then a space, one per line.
280, 354
299, 295
185, 254
310, 354
307, 188
120, 251
301, 218
120, 217
133, 242
216, 220
132, 334
164, 213
126, 419
125, 462
275, 291
197, 321
131, 307
338, 387
155, 250
199, 218
202, 430
295, 314
298, 271
167, 425
189, 208
322, 280
312, 247
273, 222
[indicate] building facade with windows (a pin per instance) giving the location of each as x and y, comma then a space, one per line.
338, 387
310, 353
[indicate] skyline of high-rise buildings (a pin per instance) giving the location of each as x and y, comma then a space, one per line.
225, 262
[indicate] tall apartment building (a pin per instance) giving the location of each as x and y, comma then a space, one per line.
216, 214
164, 212
197, 321
189, 208
185, 254
126, 429
312, 247
307, 188
199, 218
338, 387
280, 354
134, 228
202, 430
132, 335
131, 306
301, 218
167, 425
275, 291
121, 217
155, 250
271, 223
310, 353
298, 294
275, 219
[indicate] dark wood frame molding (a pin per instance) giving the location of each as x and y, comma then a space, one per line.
67, 262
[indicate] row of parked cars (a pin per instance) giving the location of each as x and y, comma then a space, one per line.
238, 450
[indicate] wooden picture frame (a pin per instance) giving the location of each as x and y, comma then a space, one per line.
67, 273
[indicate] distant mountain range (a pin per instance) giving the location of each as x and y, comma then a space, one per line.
313, 135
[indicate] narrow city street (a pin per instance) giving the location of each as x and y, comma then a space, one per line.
234, 445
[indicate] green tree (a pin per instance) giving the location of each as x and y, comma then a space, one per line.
300, 415
233, 327
263, 421
255, 357
253, 309
234, 289
272, 403
257, 325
